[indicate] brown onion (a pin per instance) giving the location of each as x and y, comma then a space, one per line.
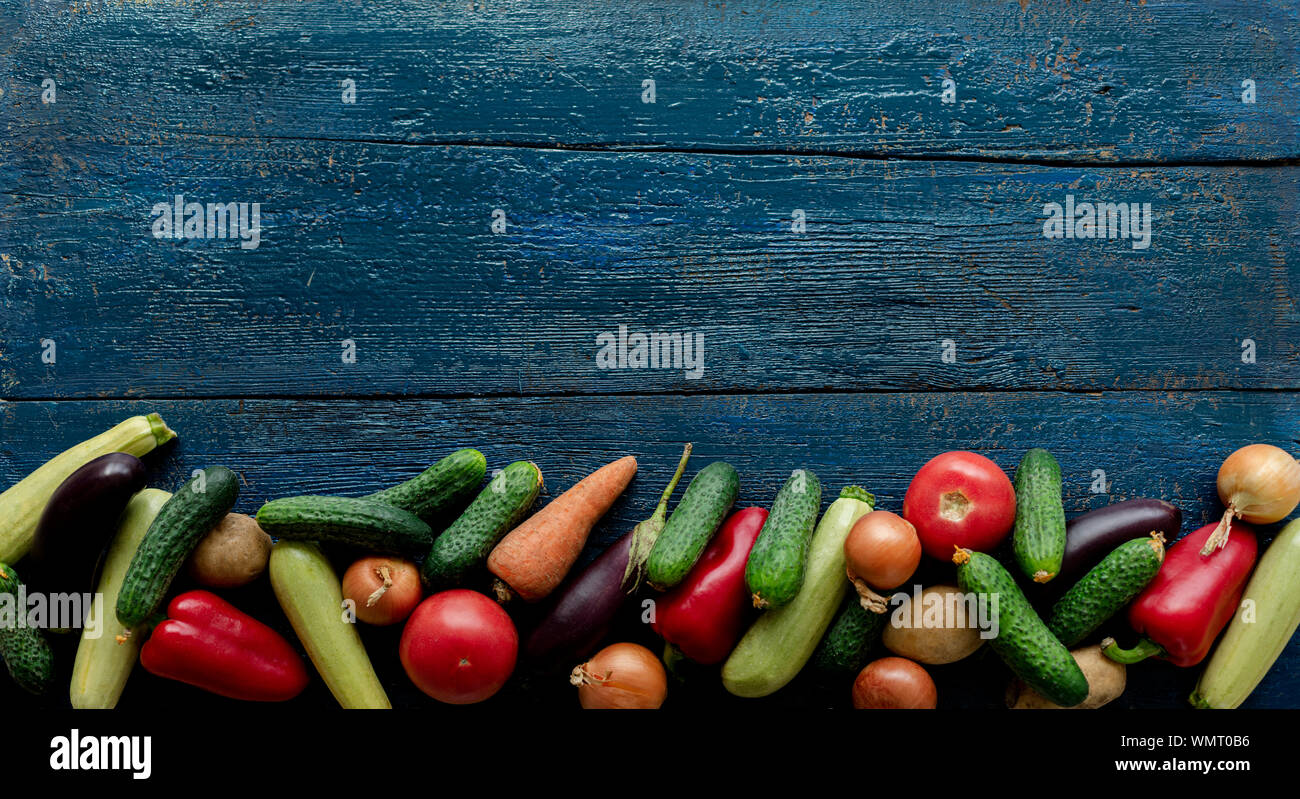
882, 552
627, 676
383, 590
1258, 483
894, 683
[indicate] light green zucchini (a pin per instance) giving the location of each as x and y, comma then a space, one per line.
780, 642
312, 597
1266, 620
104, 663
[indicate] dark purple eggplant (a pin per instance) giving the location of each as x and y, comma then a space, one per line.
583, 612
1092, 536
79, 520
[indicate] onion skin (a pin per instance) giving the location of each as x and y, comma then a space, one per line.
375, 603
894, 683
1259, 483
621, 676
882, 552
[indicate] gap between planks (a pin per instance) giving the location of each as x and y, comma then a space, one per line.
619, 148
546, 395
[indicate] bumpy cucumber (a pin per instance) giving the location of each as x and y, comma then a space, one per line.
312, 598
24, 649
22, 504
781, 640
849, 641
345, 520
438, 488
104, 661
1105, 589
1023, 641
1039, 537
775, 569
692, 524
463, 548
190, 514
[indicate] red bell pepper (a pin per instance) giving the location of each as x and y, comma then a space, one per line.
210, 644
705, 614
1191, 599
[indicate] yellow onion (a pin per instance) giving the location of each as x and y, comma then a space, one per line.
1259, 483
625, 676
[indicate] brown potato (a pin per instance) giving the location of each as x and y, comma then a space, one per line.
932, 645
1106, 680
235, 553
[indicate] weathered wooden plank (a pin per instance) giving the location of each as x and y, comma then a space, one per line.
392, 247
1149, 444
1099, 81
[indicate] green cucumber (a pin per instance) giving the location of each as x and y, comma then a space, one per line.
1039, 537
311, 596
22, 504
692, 524
848, 643
1022, 641
1267, 618
1106, 588
105, 661
24, 649
775, 569
463, 548
439, 488
781, 640
365, 523
183, 521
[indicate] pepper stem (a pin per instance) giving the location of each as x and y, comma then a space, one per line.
673, 660
1144, 649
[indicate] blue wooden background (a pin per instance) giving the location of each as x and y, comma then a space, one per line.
822, 348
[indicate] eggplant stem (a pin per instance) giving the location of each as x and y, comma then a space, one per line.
677, 475
1144, 649
645, 533
1219, 538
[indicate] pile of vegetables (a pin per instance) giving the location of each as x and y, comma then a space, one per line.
751, 597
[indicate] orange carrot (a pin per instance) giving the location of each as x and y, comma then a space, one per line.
535, 556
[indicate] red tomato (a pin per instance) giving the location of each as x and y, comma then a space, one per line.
459, 647
960, 499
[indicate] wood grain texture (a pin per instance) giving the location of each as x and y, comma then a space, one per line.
822, 350
1149, 444
1100, 81
391, 246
